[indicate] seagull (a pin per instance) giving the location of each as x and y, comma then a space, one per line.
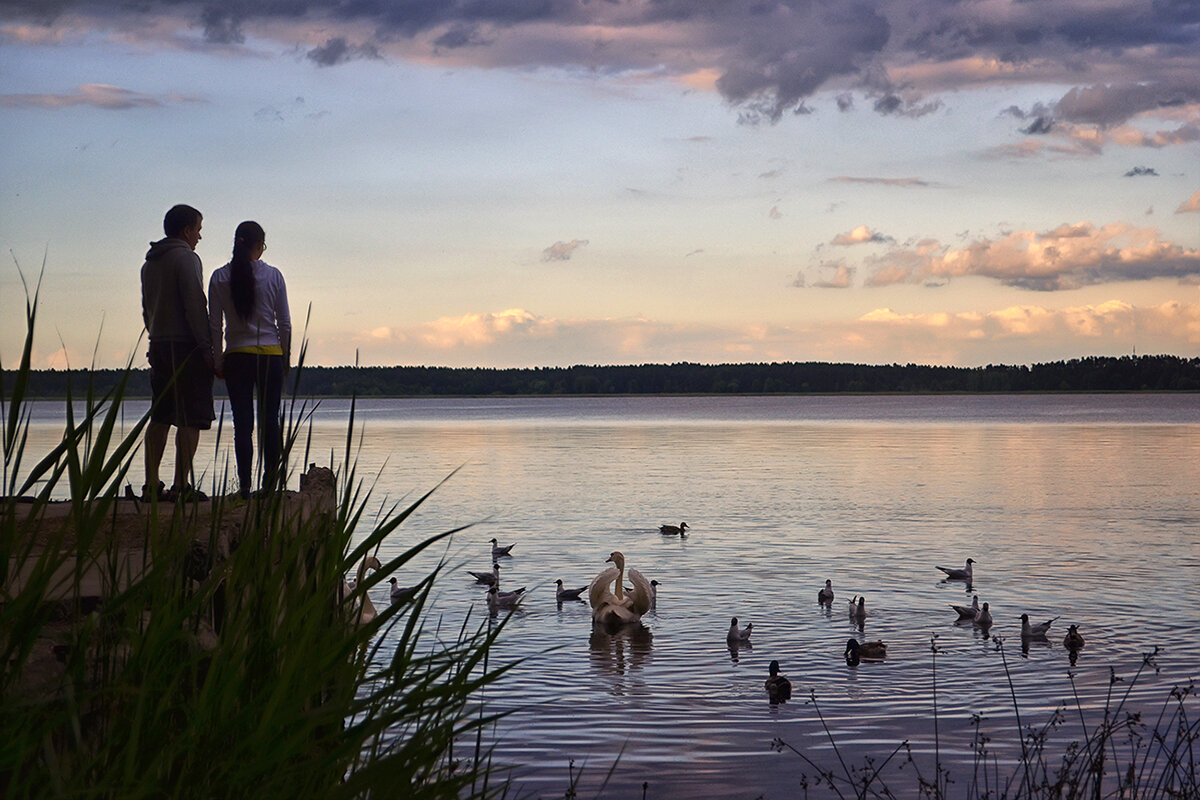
779, 688
736, 635
1034, 631
488, 578
498, 551
508, 600
964, 574
984, 618
673, 530
568, 594
968, 612
399, 592
654, 594
1073, 641
825, 596
871, 651
858, 607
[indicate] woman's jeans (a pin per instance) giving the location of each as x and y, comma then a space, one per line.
255, 379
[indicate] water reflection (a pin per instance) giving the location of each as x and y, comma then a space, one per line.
620, 649
734, 645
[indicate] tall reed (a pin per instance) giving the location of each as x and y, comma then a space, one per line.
183, 661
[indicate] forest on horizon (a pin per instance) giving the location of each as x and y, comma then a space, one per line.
1091, 374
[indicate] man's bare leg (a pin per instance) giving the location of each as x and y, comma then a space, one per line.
155, 444
186, 442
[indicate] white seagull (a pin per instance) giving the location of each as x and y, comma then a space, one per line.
488, 578
507, 600
738, 635
825, 596
498, 551
1034, 631
967, 573
568, 594
968, 612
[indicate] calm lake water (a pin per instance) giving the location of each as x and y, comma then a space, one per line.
1085, 508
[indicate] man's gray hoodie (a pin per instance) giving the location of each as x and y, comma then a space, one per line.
173, 304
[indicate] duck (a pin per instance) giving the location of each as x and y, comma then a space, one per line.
568, 594
1034, 631
984, 618
825, 596
871, 651
500, 552
967, 573
1073, 640
611, 604
497, 599
738, 635
968, 612
488, 578
673, 530
779, 688
363, 609
400, 593
858, 607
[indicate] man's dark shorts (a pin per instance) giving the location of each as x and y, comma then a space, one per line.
182, 383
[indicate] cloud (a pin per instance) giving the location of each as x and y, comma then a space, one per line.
902, 182
860, 235
767, 59
843, 277
562, 251
1068, 257
1139, 171
519, 337
98, 95
338, 51
1191, 205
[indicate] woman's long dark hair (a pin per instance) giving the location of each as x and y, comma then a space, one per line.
241, 272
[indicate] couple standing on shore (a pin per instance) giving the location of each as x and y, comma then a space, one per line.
247, 304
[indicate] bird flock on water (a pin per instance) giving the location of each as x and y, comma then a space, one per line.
614, 605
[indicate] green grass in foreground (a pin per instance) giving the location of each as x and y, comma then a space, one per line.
157, 693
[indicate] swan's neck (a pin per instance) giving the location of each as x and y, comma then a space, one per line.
620, 590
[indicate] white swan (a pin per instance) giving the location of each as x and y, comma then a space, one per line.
610, 604
738, 635
488, 578
779, 688
498, 551
967, 573
968, 612
497, 599
1034, 631
363, 610
568, 594
673, 530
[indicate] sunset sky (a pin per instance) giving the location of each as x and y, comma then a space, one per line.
556, 182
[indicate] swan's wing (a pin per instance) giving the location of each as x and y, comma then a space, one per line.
643, 593
599, 592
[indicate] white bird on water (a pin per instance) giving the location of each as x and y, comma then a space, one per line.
488, 578
738, 635
498, 551
399, 592
825, 596
968, 612
568, 594
363, 610
497, 599
858, 608
1034, 631
611, 605
984, 618
967, 573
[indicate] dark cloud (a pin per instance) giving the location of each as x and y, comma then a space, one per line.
1139, 171
769, 56
339, 51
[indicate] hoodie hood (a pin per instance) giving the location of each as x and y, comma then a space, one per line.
162, 246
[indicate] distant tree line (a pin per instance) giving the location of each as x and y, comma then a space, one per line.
1092, 374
